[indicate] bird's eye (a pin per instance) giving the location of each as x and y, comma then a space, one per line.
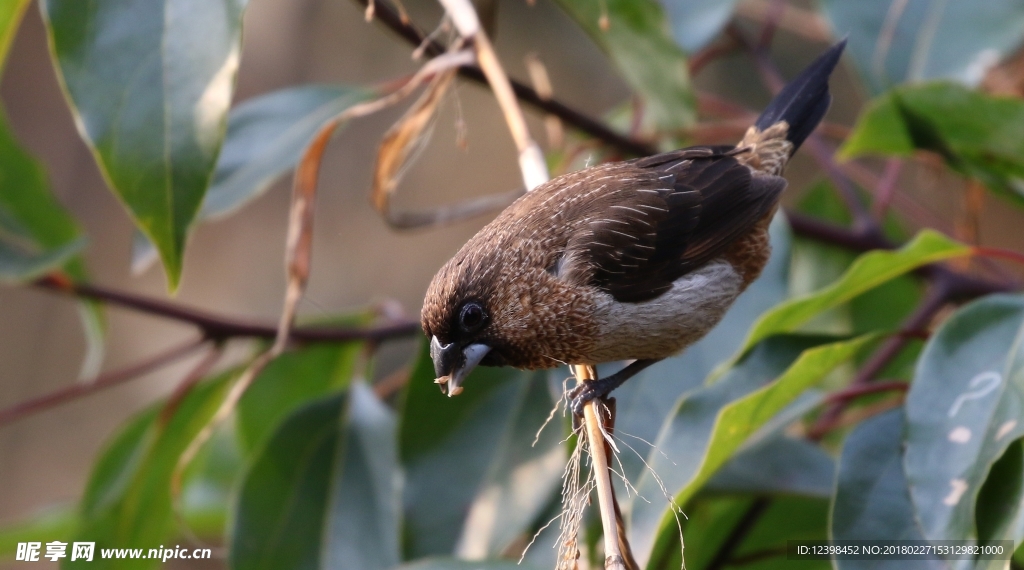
472, 317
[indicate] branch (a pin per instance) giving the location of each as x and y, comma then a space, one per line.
217, 327
390, 17
858, 391
101, 382
531, 159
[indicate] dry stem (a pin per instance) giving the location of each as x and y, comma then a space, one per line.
602, 473
531, 159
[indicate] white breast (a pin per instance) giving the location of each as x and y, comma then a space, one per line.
664, 326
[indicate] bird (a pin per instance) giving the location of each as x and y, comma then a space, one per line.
624, 261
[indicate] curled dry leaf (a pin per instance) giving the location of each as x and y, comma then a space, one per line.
397, 149
405, 136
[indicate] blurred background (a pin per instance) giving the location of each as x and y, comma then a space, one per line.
233, 266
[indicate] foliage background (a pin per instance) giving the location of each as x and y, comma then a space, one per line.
233, 265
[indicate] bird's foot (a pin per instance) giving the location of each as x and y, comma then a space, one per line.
584, 392
591, 389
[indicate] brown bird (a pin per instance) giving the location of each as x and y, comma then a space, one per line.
632, 260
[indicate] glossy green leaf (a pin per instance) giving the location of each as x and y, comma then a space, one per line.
643, 403
636, 39
785, 519
872, 499
11, 12
265, 139
474, 482
892, 42
711, 521
778, 464
710, 425
36, 233
207, 491
696, 22
868, 271
127, 502
324, 489
964, 411
150, 82
978, 135
287, 383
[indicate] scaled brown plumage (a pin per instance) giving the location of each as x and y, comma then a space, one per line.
622, 261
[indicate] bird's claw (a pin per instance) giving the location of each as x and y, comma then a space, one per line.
581, 395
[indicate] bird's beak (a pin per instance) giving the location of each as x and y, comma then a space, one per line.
452, 363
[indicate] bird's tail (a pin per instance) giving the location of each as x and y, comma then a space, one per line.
803, 102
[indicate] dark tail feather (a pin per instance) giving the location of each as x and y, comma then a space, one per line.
803, 102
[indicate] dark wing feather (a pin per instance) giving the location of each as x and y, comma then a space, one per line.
664, 217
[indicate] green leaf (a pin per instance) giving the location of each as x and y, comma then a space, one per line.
127, 502
474, 481
19, 263
710, 425
637, 41
11, 12
54, 523
323, 492
711, 521
964, 411
785, 519
920, 39
868, 271
266, 138
872, 500
207, 491
288, 382
980, 136
776, 465
696, 22
36, 234
150, 83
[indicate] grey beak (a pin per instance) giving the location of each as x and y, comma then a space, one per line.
453, 363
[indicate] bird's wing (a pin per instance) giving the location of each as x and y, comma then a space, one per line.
664, 217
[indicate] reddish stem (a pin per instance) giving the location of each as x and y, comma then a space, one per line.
102, 382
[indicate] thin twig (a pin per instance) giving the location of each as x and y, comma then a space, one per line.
937, 297
702, 58
887, 186
770, 23
386, 14
542, 83
198, 372
794, 20
218, 327
852, 392
531, 159
103, 381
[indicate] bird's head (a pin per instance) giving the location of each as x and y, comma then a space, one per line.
462, 316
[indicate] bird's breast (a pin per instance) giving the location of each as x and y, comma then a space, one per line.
669, 323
